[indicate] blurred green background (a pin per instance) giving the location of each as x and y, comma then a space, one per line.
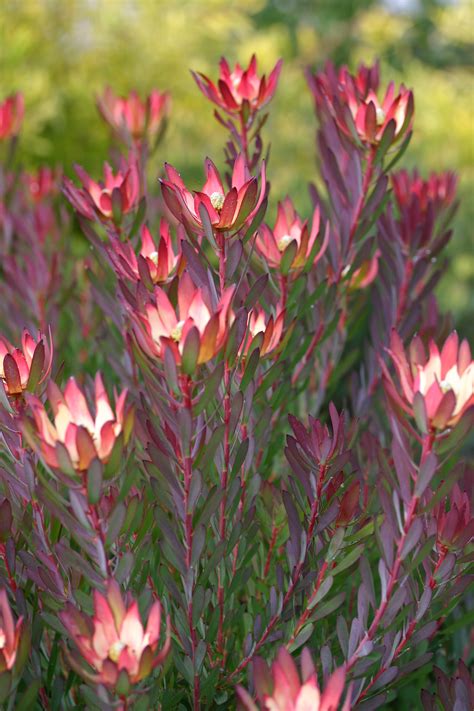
60, 53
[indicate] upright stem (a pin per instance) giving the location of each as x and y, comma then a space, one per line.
221, 242
394, 572
244, 138
188, 525
369, 171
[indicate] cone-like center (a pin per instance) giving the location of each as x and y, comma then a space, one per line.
3, 639
217, 201
115, 650
154, 258
284, 242
177, 331
379, 116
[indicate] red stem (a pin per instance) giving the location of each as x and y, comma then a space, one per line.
393, 575
244, 138
369, 171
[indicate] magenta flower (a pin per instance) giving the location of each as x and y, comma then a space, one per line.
280, 688
130, 116
25, 368
263, 331
155, 263
42, 184
410, 190
96, 199
440, 386
12, 110
290, 228
239, 86
227, 209
114, 642
80, 436
454, 528
163, 325
10, 634
353, 103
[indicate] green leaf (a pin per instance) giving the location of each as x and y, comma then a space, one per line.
94, 481
191, 348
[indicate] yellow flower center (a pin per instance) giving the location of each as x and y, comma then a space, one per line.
380, 116
115, 650
177, 331
154, 258
217, 201
284, 242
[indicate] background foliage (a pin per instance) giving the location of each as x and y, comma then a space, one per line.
62, 53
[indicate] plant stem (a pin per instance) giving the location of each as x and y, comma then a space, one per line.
393, 575
188, 525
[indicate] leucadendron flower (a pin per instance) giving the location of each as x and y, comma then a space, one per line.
290, 236
238, 87
437, 388
12, 110
131, 117
155, 262
117, 193
117, 648
10, 634
198, 324
228, 209
25, 368
281, 689
76, 437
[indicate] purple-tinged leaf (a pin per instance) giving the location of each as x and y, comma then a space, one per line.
426, 473
355, 636
446, 568
342, 634
413, 537
302, 637
424, 632
367, 578
324, 588
424, 603
375, 702
386, 678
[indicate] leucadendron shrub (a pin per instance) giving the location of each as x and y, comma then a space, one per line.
230, 433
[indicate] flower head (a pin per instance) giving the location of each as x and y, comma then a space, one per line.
155, 262
25, 368
410, 189
130, 116
75, 432
12, 110
10, 634
114, 642
353, 103
289, 230
263, 331
227, 209
41, 184
238, 86
196, 314
455, 527
281, 689
97, 199
440, 385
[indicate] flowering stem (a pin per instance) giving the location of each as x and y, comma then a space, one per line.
221, 242
394, 572
369, 171
188, 525
244, 138
294, 580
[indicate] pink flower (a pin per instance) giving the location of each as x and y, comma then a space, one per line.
238, 87
280, 688
289, 230
114, 642
25, 368
10, 634
413, 193
12, 110
439, 387
227, 209
263, 331
129, 116
41, 184
155, 262
353, 103
76, 434
197, 316
366, 273
455, 527
96, 199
